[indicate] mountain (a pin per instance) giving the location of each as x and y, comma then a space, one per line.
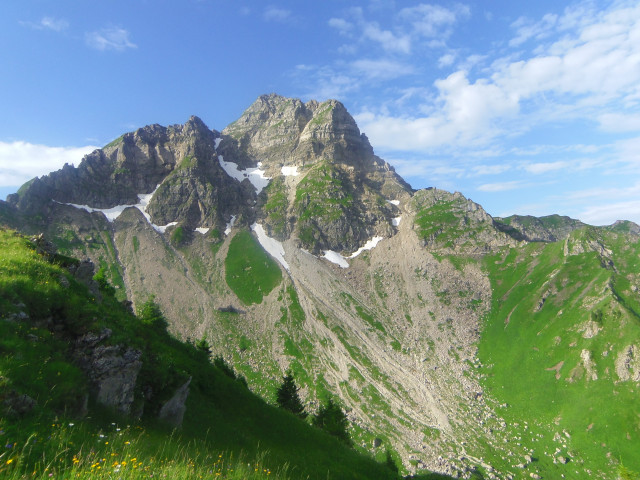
286, 243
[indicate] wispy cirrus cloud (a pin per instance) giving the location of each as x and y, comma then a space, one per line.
110, 38
381, 69
433, 21
48, 23
500, 186
408, 26
606, 205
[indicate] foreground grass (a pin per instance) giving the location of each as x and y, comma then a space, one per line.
72, 451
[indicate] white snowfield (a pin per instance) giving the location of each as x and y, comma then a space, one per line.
114, 212
255, 175
341, 260
271, 245
396, 221
335, 257
394, 202
290, 171
202, 230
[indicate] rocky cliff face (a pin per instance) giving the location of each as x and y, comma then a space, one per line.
177, 164
338, 192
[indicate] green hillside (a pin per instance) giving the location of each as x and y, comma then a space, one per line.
49, 432
560, 352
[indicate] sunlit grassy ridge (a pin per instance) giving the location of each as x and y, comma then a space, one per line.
563, 314
226, 429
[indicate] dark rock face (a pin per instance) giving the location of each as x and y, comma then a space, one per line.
112, 370
195, 190
16, 404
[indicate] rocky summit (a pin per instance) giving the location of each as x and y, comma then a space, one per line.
287, 244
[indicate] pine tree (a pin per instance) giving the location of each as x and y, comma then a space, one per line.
150, 314
204, 346
333, 420
287, 396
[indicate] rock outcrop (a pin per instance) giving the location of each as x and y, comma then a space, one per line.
173, 410
112, 371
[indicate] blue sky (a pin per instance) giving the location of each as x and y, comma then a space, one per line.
524, 107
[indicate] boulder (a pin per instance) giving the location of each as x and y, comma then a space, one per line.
173, 410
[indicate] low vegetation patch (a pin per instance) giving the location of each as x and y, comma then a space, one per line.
250, 271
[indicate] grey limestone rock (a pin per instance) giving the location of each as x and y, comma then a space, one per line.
112, 371
173, 410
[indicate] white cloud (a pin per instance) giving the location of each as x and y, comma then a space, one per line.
605, 205
527, 29
388, 40
429, 20
275, 14
500, 186
490, 169
446, 60
21, 161
48, 23
608, 213
110, 38
381, 69
593, 66
327, 82
545, 167
620, 122
465, 115
342, 25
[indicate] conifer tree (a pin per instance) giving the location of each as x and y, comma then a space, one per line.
287, 396
204, 346
150, 314
333, 420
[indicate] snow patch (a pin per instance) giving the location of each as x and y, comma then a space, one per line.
367, 246
341, 260
335, 257
230, 225
271, 245
289, 171
255, 175
203, 230
163, 228
114, 212
110, 213
216, 142
396, 221
394, 202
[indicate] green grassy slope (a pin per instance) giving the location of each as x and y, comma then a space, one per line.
250, 272
563, 316
226, 427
